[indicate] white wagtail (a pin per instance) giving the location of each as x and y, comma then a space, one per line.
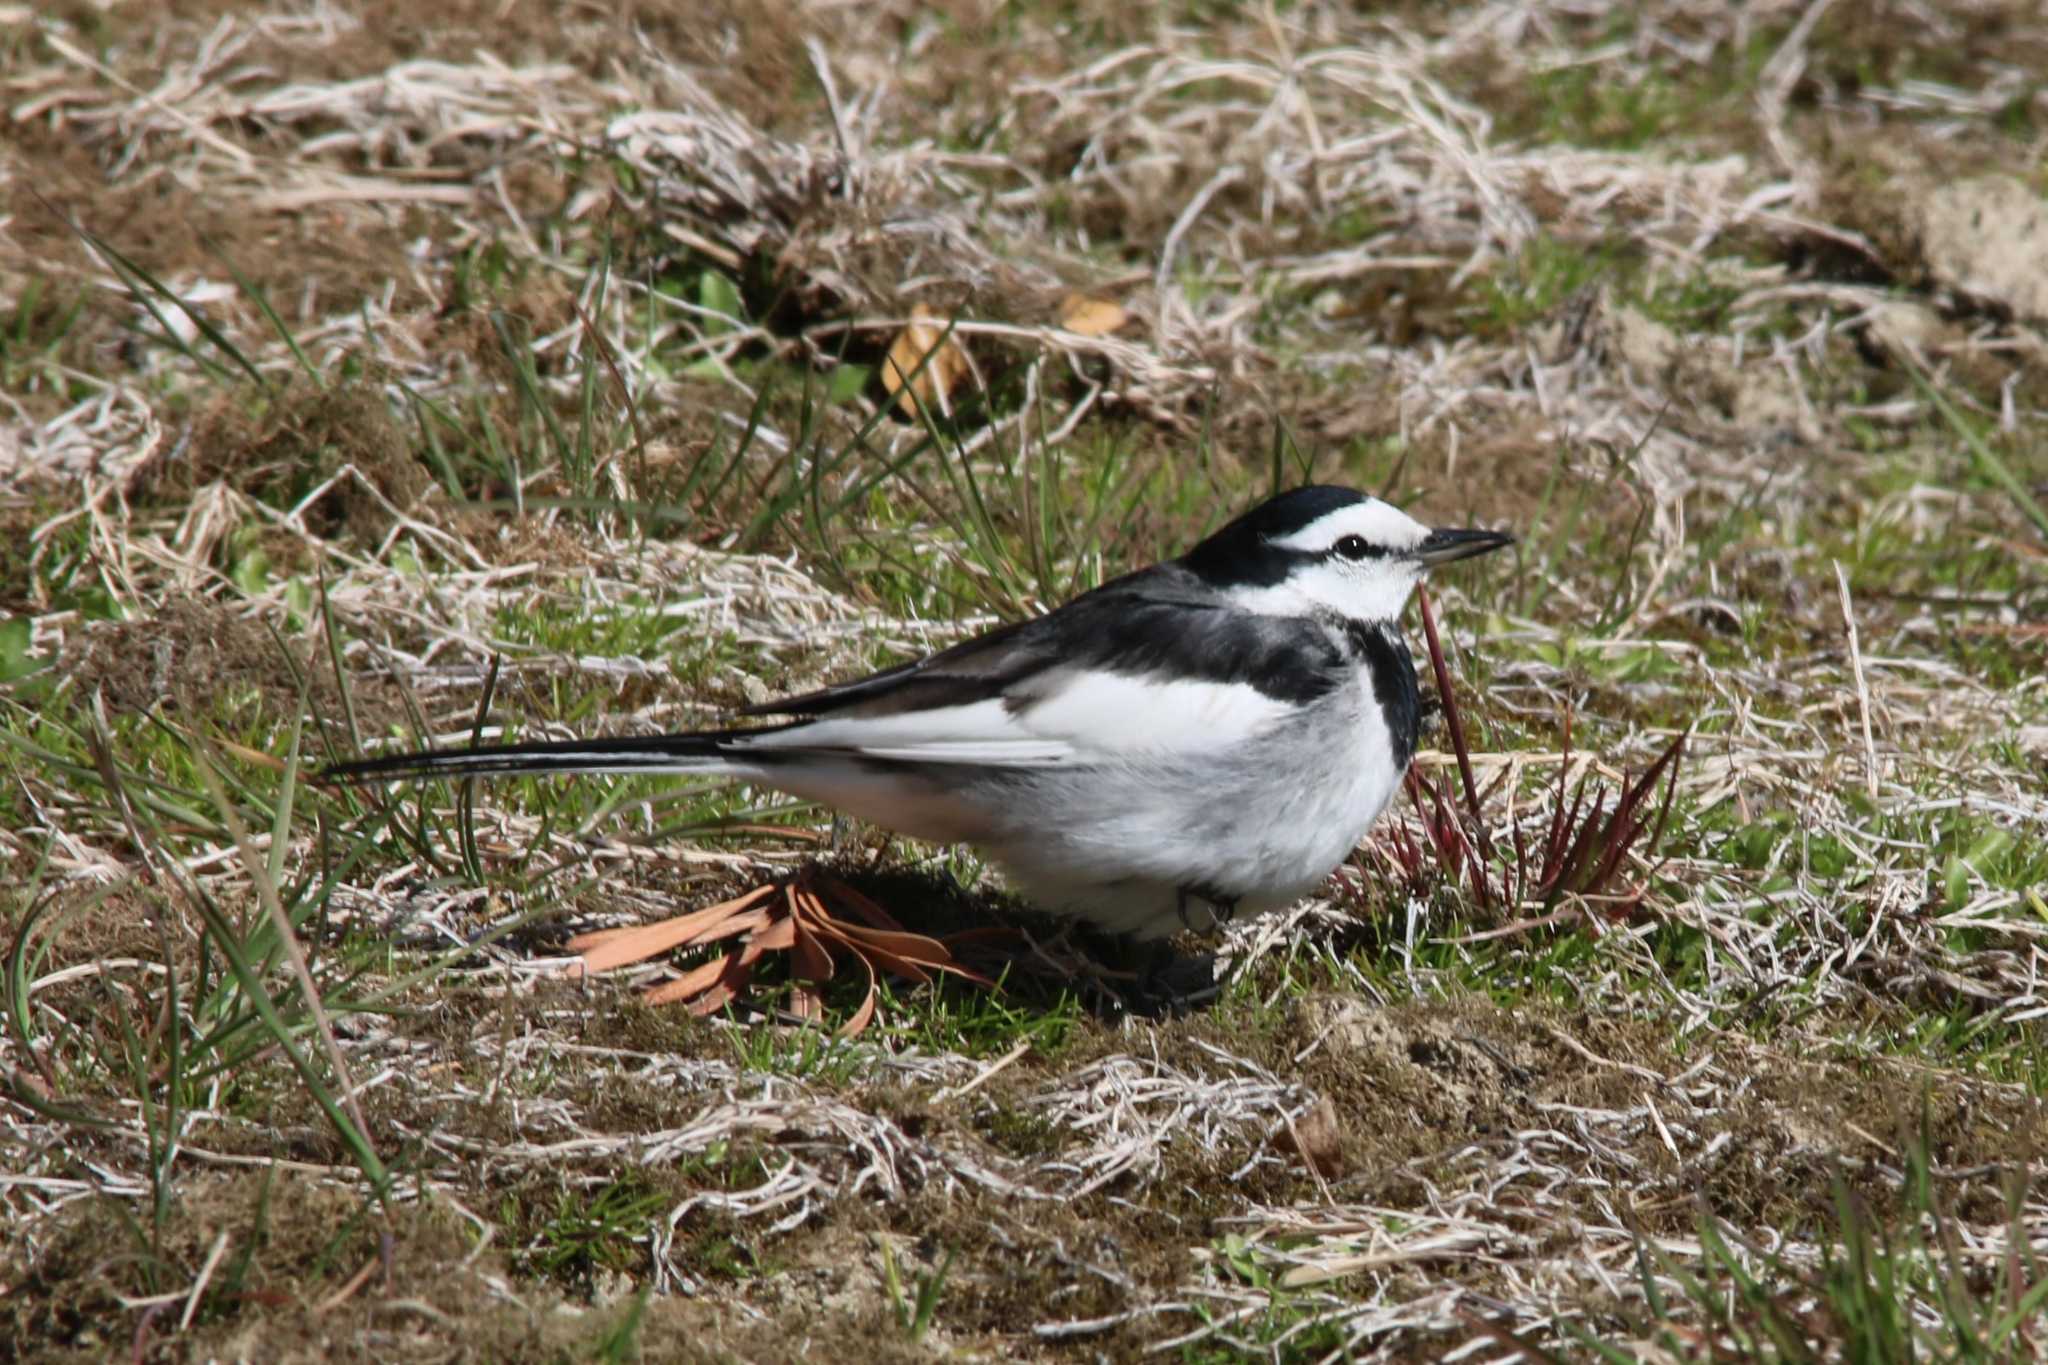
1206, 737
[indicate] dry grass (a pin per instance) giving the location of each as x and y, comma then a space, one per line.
1705, 301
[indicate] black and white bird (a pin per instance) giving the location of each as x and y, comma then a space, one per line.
1206, 737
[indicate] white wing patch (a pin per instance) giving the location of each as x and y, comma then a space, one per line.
1069, 717
980, 732
1106, 715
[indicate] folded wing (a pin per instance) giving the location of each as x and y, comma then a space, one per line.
1144, 666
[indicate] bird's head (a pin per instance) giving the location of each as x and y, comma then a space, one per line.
1327, 549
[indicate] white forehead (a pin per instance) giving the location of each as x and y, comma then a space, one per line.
1381, 524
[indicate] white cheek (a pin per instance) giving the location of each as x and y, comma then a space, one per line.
1371, 589
1374, 590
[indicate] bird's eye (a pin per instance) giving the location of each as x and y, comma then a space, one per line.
1353, 547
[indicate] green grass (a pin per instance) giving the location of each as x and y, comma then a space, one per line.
916, 1304
635, 625
232, 985
34, 336
1628, 104
1737, 1301
805, 1055
950, 1017
598, 1231
250, 931
1290, 1324
1756, 1304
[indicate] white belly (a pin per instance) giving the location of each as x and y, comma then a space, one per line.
1121, 843
1263, 826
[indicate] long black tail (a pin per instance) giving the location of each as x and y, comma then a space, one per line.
654, 754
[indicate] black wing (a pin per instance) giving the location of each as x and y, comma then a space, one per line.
1159, 622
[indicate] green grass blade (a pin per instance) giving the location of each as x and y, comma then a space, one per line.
1988, 460
146, 289
256, 296
341, 1111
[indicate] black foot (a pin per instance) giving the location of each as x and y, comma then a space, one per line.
1167, 983
1146, 980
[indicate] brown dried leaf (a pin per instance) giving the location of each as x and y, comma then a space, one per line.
811, 959
915, 948
726, 989
605, 949
805, 906
862, 907
598, 937
893, 946
924, 342
697, 979
744, 923
1316, 1139
1089, 316
872, 954
862, 1017
994, 936
779, 936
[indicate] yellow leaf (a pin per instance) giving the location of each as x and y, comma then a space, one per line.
942, 373
1090, 316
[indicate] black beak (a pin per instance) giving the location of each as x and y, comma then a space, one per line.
1445, 545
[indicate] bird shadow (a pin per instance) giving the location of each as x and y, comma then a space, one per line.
1039, 960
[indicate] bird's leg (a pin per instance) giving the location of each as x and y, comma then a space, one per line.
1152, 989
1222, 908
1166, 983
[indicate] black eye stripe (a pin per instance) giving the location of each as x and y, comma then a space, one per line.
1356, 547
